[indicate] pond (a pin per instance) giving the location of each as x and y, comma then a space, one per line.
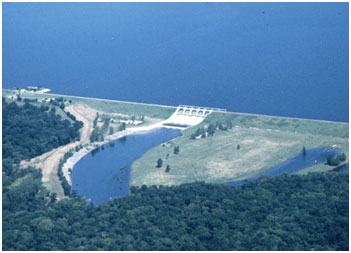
296, 163
104, 175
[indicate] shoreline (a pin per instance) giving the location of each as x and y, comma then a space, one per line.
78, 155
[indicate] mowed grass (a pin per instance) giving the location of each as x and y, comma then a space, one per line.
151, 111
264, 143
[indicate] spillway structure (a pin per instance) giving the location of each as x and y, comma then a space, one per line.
187, 116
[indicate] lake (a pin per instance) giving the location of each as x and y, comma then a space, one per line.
282, 59
104, 175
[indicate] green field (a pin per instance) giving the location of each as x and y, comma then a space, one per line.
264, 142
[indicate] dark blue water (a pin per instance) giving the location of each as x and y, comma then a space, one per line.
98, 177
284, 59
342, 168
294, 164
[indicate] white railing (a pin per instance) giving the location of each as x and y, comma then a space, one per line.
202, 108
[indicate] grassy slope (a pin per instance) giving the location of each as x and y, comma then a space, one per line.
152, 111
264, 141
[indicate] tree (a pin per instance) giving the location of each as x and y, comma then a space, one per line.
111, 130
332, 160
238, 147
168, 168
342, 157
96, 120
176, 150
198, 132
95, 134
335, 160
122, 127
222, 127
159, 163
303, 151
211, 129
53, 197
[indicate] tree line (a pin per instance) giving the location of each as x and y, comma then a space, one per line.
295, 212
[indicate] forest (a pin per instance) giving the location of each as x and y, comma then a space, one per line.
281, 213
287, 212
31, 130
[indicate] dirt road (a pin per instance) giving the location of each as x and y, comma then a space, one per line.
49, 161
86, 115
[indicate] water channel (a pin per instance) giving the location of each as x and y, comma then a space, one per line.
105, 174
296, 163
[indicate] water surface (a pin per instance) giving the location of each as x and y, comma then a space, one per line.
99, 177
294, 164
283, 59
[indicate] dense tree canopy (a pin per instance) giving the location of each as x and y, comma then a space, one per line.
282, 213
29, 130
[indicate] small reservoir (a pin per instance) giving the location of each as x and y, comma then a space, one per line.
103, 175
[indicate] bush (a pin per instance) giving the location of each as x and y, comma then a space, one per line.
335, 160
159, 163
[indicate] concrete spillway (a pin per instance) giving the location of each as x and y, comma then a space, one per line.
187, 116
